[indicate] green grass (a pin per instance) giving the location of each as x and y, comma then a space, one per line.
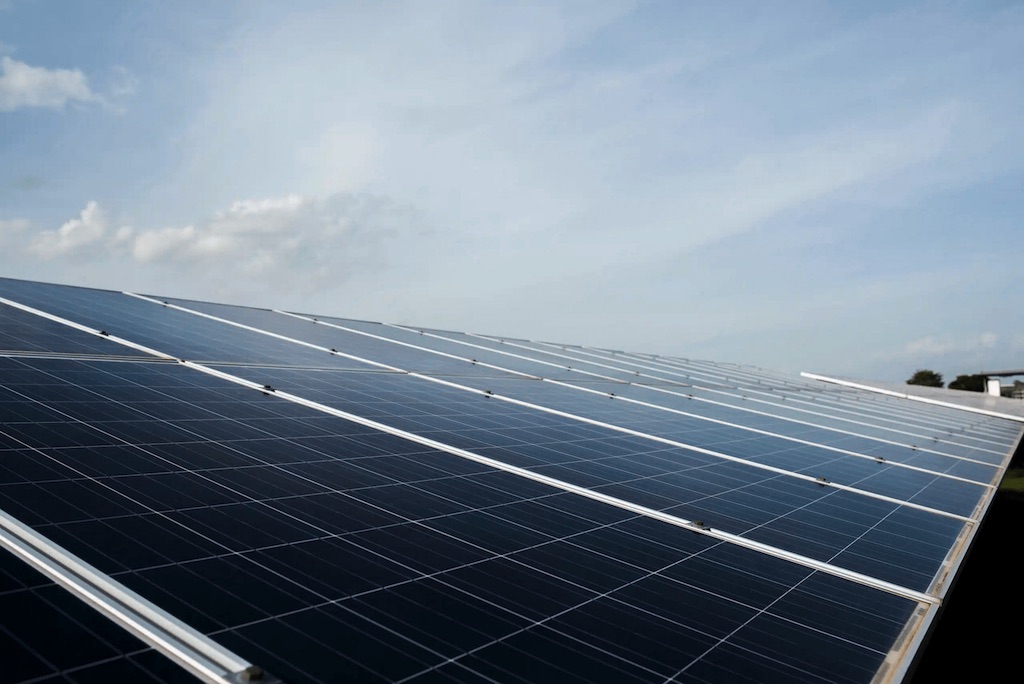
1013, 480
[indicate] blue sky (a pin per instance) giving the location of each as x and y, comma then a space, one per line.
804, 186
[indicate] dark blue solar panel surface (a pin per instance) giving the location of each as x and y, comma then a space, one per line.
402, 357
179, 334
723, 403
49, 635
743, 391
318, 540
723, 387
23, 332
886, 410
796, 515
325, 550
920, 487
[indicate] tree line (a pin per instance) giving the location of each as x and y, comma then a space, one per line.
930, 378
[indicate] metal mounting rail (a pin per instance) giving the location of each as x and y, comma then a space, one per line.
913, 397
192, 650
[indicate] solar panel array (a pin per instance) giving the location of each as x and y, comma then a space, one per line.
336, 500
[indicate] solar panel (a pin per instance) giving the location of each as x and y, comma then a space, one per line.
336, 500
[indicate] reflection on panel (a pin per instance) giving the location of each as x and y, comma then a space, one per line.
338, 500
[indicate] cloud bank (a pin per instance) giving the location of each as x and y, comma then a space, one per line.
22, 85
290, 243
74, 236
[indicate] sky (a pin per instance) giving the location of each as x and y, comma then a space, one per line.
805, 186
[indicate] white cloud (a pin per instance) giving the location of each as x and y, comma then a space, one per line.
123, 234
240, 233
75, 234
333, 237
22, 85
290, 243
248, 217
155, 244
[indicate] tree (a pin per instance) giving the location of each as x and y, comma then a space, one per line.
971, 383
928, 378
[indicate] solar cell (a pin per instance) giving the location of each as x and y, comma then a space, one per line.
333, 516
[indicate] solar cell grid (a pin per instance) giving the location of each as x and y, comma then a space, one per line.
728, 496
283, 545
173, 332
806, 425
403, 357
26, 333
326, 549
854, 406
729, 406
705, 382
947, 423
474, 348
882, 407
735, 441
